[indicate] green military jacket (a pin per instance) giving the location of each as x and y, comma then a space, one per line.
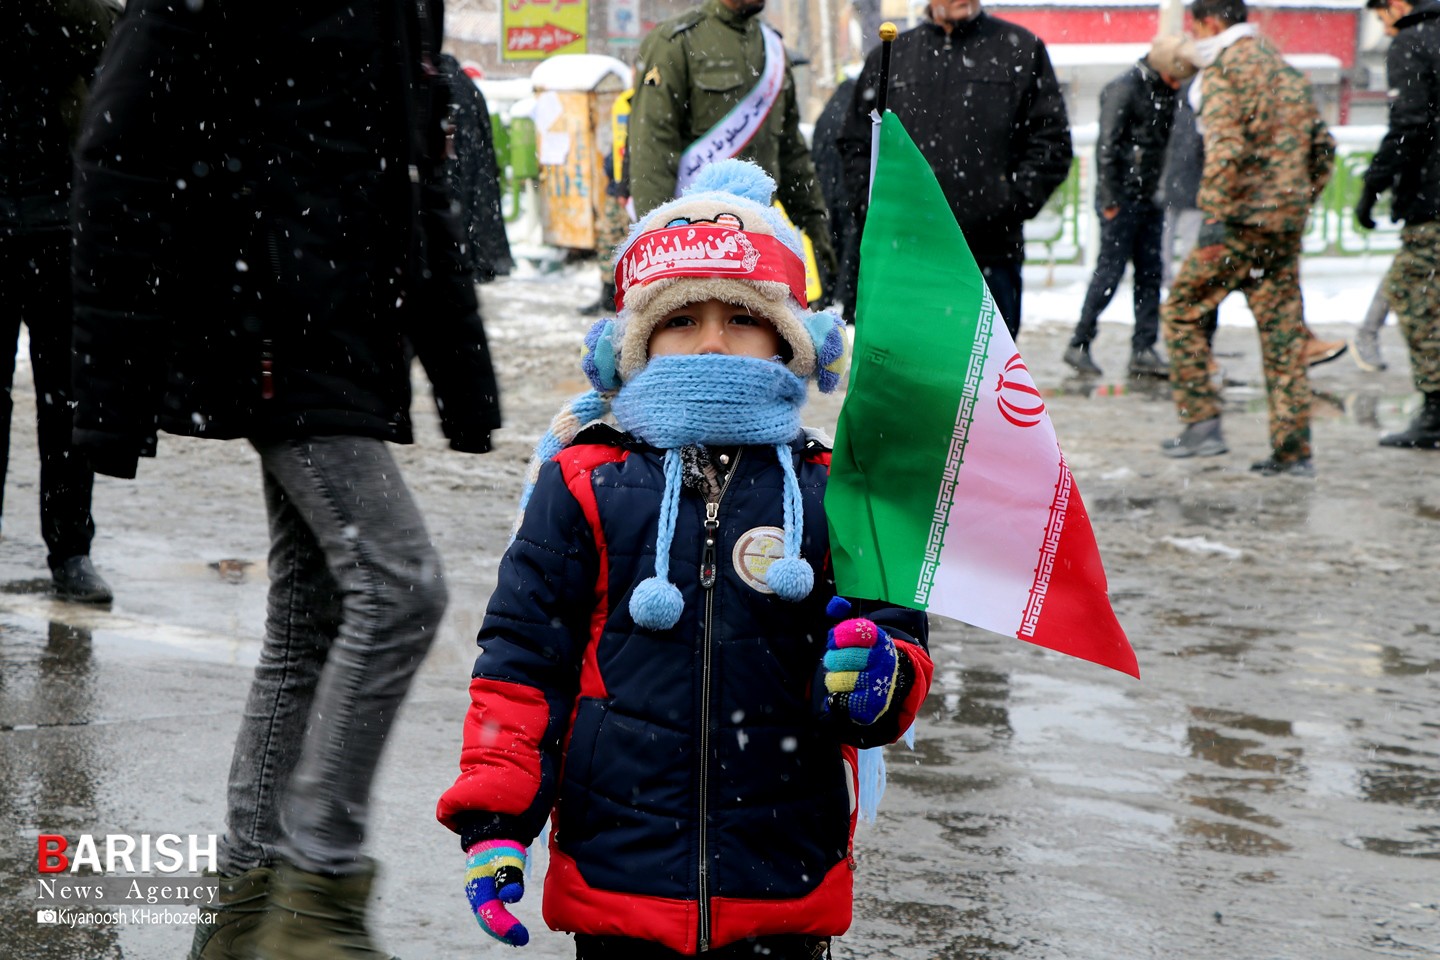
692, 69
1267, 152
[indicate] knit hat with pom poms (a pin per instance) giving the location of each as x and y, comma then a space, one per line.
723, 240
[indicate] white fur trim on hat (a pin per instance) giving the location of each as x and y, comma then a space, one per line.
646, 306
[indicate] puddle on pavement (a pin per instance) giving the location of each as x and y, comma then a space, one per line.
1201, 825
48, 692
1041, 811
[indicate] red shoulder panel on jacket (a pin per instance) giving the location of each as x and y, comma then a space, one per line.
577, 463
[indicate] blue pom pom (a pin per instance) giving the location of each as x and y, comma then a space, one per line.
656, 604
599, 359
838, 608
740, 177
826, 334
791, 578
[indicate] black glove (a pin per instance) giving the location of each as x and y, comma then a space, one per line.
1364, 210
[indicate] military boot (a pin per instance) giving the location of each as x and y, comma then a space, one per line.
315, 916
1147, 363
1202, 439
229, 924
1424, 430
1077, 355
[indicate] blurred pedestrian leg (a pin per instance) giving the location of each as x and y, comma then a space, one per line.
49, 52
1366, 343
356, 594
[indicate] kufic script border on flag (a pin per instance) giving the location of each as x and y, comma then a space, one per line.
964, 417
1048, 548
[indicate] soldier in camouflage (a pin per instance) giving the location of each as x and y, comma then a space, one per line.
691, 72
1267, 157
1408, 165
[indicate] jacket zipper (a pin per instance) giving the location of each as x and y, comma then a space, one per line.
707, 582
267, 344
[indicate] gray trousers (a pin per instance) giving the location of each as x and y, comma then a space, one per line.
356, 594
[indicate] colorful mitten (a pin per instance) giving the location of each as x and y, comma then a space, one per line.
860, 666
495, 876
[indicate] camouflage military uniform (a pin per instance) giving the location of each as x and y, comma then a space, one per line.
1267, 157
691, 70
1413, 288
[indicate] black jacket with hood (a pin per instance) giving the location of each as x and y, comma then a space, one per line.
263, 233
1137, 109
984, 107
1408, 160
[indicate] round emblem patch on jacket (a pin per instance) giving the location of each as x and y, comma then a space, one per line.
756, 549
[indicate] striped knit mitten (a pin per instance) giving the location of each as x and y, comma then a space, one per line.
495, 876
860, 666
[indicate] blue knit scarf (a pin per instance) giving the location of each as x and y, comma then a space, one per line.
711, 399
714, 399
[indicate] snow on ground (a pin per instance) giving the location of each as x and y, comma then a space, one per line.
1336, 290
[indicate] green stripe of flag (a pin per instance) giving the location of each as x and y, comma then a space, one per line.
917, 315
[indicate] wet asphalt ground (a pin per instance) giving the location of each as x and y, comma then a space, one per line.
1269, 789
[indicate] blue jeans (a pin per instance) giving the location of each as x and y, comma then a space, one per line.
1133, 236
356, 594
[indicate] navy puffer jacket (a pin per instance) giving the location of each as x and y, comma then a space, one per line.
698, 796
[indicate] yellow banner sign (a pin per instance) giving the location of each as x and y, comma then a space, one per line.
535, 29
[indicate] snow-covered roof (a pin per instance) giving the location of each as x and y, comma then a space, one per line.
501, 93
578, 71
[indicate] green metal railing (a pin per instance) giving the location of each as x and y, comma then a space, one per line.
1060, 233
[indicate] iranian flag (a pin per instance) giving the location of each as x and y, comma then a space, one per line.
948, 491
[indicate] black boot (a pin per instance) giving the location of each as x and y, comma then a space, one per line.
1077, 355
1424, 430
77, 580
605, 304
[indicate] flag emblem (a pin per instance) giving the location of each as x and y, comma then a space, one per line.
1018, 401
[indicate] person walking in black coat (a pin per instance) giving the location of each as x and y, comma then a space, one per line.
49, 50
1407, 165
830, 170
263, 236
1136, 110
473, 175
979, 98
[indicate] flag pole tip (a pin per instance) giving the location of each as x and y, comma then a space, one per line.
888, 31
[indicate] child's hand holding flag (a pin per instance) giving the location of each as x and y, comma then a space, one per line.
860, 666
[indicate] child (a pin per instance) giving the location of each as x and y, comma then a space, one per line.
658, 666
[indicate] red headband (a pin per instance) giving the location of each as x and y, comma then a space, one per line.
696, 250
